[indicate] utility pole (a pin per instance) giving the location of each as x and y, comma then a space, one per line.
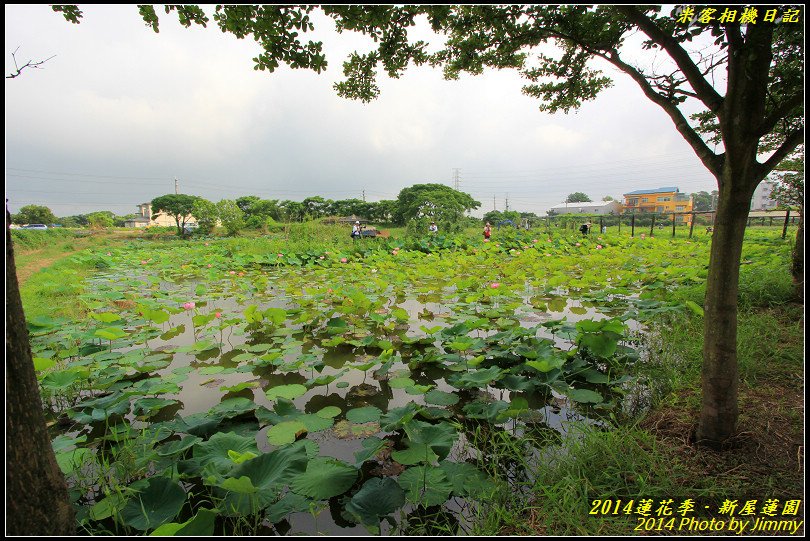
364, 195
175, 186
456, 177
507, 202
493, 202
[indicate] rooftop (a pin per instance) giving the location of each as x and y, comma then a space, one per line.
667, 189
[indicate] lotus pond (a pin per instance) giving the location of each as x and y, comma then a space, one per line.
244, 386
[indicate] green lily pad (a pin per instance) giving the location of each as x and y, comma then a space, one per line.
441, 398
156, 504
426, 485
328, 412
286, 432
294, 390
365, 414
324, 478
376, 499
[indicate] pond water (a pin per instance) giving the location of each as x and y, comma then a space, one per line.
349, 360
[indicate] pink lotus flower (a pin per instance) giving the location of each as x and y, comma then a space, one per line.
280, 255
109, 253
232, 272
517, 253
321, 257
206, 244
494, 285
486, 240
395, 252
210, 265
218, 315
548, 240
598, 246
343, 260
534, 241
643, 235
577, 244
188, 305
330, 290
143, 262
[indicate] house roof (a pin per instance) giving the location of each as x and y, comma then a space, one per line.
590, 204
667, 189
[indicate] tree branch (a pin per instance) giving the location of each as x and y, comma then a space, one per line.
708, 95
711, 160
769, 122
790, 143
29, 64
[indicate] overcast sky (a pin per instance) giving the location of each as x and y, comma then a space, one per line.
121, 111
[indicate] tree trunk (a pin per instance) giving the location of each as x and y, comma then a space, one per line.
36, 494
797, 263
718, 416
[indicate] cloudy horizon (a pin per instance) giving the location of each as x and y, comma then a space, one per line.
120, 112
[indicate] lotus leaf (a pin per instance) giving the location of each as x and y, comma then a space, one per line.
365, 414
159, 502
376, 499
200, 525
286, 432
324, 478
291, 391
426, 485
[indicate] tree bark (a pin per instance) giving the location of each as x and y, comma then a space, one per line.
719, 411
36, 493
797, 263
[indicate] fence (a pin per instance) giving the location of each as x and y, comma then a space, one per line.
658, 222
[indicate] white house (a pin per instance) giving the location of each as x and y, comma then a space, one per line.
593, 207
146, 219
762, 196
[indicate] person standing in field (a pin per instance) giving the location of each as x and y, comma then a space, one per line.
433, 227
356, 228
487, 231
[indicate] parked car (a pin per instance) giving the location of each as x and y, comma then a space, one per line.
190, 227
34, 226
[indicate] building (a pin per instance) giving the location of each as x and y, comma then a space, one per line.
600, 207
146, 219
665, 200
762, 196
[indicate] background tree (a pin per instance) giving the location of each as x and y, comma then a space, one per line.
608, 198
178, 206
495, 217
577, 197
703, 201
78, 220
232, 217
34, 214
435, 202
291, 211
100, 220
206, 213
315, 207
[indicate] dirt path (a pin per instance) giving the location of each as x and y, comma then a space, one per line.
25, 271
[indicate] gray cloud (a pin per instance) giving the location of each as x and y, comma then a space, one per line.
121, 111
